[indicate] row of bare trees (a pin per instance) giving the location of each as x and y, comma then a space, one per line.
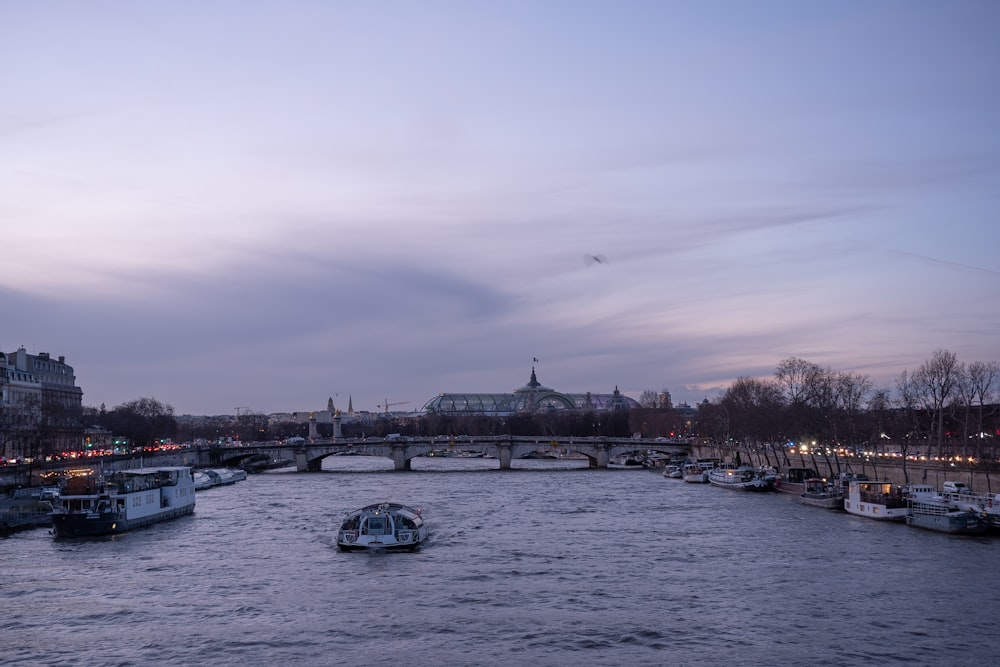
944, 406
945, 388
142, 421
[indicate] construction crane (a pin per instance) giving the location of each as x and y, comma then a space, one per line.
386, 404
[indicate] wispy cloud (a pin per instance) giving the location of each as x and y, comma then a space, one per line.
308, 199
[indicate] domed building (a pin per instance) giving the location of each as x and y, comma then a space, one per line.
531, 398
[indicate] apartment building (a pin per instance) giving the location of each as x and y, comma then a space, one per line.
40, 405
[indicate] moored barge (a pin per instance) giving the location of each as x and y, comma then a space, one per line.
123, 501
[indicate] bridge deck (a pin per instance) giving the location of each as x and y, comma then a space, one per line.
599, 451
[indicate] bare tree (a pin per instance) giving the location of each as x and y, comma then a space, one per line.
820, 409
713, 422
649, 399
903, 425
962, 400
802, 383
850, 390
794, 376
753, 407
934, 382
881, 424
142, 421
982, 379
879, 406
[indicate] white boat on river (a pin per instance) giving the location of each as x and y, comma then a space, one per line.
884, 501
696, 472
383, 526
743, 478
206, 479
125, 500
876, 500
673, 472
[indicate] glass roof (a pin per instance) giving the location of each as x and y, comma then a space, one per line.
504, 404
532, 397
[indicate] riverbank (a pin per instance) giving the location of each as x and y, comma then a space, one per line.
897, 471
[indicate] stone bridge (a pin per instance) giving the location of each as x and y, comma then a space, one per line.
309, 456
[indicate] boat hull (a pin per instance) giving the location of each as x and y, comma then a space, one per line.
794, 480
392, 545
749, 486
875, 511
825, 502
720, 479
739, 479
95, 524
954, 523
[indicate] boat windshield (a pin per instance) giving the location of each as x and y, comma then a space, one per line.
377, 525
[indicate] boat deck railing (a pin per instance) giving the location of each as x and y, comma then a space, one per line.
936, 509
12, 520
984, 501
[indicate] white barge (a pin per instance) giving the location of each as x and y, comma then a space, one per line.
876, 500
123, 501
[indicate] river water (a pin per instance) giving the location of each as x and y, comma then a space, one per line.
533, 566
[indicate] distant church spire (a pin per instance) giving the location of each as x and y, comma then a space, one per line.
329, 405
350, 404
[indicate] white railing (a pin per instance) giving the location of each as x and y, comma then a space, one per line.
983, 502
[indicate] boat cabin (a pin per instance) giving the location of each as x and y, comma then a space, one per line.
377, 525
799, 475
380, 523
879, 493
818, 485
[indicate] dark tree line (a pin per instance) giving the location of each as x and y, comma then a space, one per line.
143, 421
943, 406
615, 424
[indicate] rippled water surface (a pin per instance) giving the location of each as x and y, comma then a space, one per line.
534, 566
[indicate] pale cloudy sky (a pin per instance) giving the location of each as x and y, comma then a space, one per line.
266, 204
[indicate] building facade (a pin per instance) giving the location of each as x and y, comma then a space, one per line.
533, 397
40, 405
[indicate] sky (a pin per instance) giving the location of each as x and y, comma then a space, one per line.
262, 205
